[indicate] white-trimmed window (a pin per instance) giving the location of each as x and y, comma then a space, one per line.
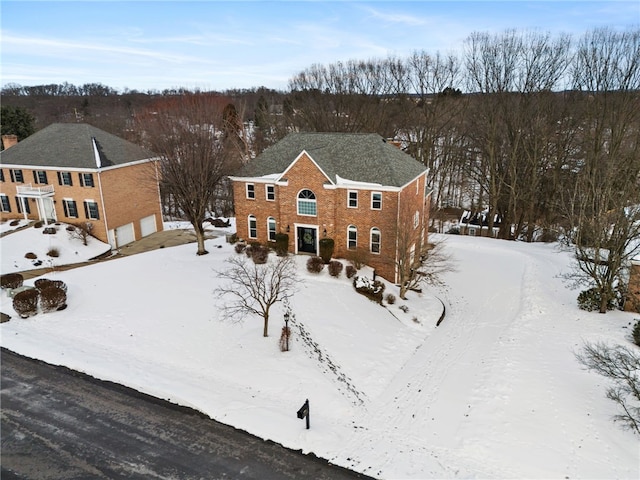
270, 192
352, 237
375, 239
40, 177
251, 190
23, 205
86, 179
5, 206
307, 203
352, 199
91, 210
64, 178
253, 227
416, 219
376, 201
16, 175
271, 229
70, 208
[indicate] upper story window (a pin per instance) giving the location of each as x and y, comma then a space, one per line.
1, 175
253, 227
86, 179
271, 192
16, 176
40, 176
251, 190
416, 219
271, 228
376, 201
375, 240
91, 210
352, 237
64, 178
353, 199
307, 203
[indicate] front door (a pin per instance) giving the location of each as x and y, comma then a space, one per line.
307, 240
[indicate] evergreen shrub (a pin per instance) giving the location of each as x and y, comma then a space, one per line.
25, 303
326, 249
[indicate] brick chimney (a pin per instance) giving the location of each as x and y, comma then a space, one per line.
9, 140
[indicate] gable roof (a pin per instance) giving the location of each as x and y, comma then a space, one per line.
358, 157
73, 145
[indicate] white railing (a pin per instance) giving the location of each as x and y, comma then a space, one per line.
31, 191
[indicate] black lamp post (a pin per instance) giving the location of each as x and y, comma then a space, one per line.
286, 326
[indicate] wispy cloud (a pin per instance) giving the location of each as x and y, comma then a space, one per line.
395, 17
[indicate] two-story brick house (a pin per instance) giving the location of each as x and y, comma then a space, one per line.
353, 188
74, 172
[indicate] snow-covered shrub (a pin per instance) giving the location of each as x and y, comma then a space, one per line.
11, 280
391, 298
30, 256
335, 267
590, 299
636, 333
53, 252
43, 283
372, 289
350, 271
315, 264
25, 303
240, 247
404, 308
53, 298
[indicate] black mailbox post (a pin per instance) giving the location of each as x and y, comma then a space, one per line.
304, 412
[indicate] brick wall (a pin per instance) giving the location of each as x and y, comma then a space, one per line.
633, 296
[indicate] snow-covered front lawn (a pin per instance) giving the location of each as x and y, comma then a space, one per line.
493, 392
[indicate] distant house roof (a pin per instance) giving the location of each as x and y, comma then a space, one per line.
355, 157
73, 145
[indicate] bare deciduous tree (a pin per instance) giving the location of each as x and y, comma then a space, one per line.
254, 289
622, 365
195, 155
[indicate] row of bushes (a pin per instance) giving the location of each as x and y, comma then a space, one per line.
47, 296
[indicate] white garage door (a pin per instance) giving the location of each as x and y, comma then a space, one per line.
125, 234
148, 225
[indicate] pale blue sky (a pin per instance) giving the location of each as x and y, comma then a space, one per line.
241, 44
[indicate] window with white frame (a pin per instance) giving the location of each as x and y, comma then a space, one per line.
40, 176
307, 203
375, 240
352, 237
251, 190
271, 192
353, 199
23, 205
376, 201
4, 203
64, 178
70, 208
91, 210
416, 219
86, 179
253, 227
16, 175
271, 229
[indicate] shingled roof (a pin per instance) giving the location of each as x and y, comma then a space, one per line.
71, 145
359, 157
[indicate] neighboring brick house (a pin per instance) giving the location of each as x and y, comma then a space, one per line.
74, 172
353, 188
632, 303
